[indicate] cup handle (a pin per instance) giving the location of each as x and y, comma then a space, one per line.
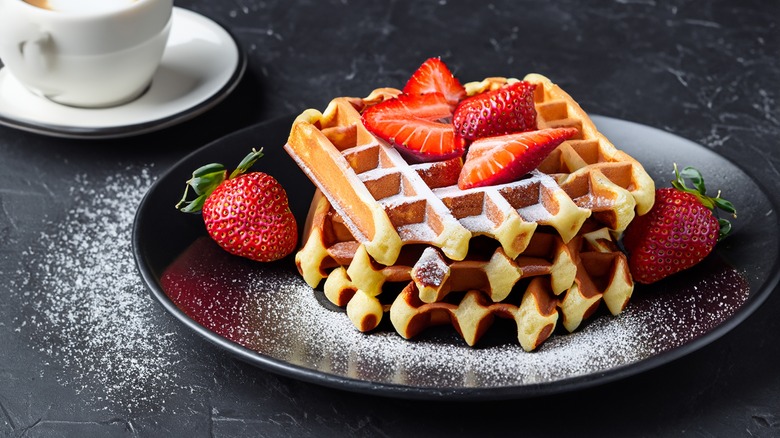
36, 51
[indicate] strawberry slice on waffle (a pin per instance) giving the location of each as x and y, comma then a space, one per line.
506, 110
416, 125
505, 158
417, 122
433, 76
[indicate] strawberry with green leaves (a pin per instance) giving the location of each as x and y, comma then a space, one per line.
247, 214
678, 232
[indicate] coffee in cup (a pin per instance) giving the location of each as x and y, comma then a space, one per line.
80, 6
84, 56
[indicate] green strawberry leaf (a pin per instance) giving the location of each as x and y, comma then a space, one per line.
207, 178
696, 178
725, 205
207, 182
208, 169
193, 206
700, 191
725, 228
247, 162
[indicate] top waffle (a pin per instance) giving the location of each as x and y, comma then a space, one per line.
387, 202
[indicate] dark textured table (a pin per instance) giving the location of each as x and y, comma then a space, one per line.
86, 352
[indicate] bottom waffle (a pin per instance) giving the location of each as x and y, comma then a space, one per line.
550, 283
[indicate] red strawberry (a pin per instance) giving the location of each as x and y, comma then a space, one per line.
247, 214
433, 76
412, 123
440, 173
678, 232
504, 111
501, 159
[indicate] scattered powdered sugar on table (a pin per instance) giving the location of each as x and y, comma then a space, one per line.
89, 310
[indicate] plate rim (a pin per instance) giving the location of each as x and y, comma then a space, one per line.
531, 390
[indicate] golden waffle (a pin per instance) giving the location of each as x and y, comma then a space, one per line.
557, 281
536, 316
328, 245
379, 223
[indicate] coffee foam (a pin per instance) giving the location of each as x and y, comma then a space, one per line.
81, 6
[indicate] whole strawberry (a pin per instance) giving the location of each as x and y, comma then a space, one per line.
247, 214
678, 232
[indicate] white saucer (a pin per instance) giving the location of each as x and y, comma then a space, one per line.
200, 67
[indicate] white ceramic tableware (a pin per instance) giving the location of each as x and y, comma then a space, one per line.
84, 56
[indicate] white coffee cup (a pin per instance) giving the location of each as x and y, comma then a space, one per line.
85, 57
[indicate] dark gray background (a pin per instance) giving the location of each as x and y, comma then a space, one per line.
707, 71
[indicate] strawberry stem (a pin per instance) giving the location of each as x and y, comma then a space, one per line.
700, 191
247, 162
206, 179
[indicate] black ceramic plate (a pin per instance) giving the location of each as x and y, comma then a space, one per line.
266, 315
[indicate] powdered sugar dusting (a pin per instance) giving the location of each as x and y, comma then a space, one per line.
294, 323
90, 312
431, 269
444, 361
478, 224
534, 213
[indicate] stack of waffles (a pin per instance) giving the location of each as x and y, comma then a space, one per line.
400, 239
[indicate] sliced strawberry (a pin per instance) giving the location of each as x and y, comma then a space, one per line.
507, 110
433, 76
501, 159
412, 123
440, 173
